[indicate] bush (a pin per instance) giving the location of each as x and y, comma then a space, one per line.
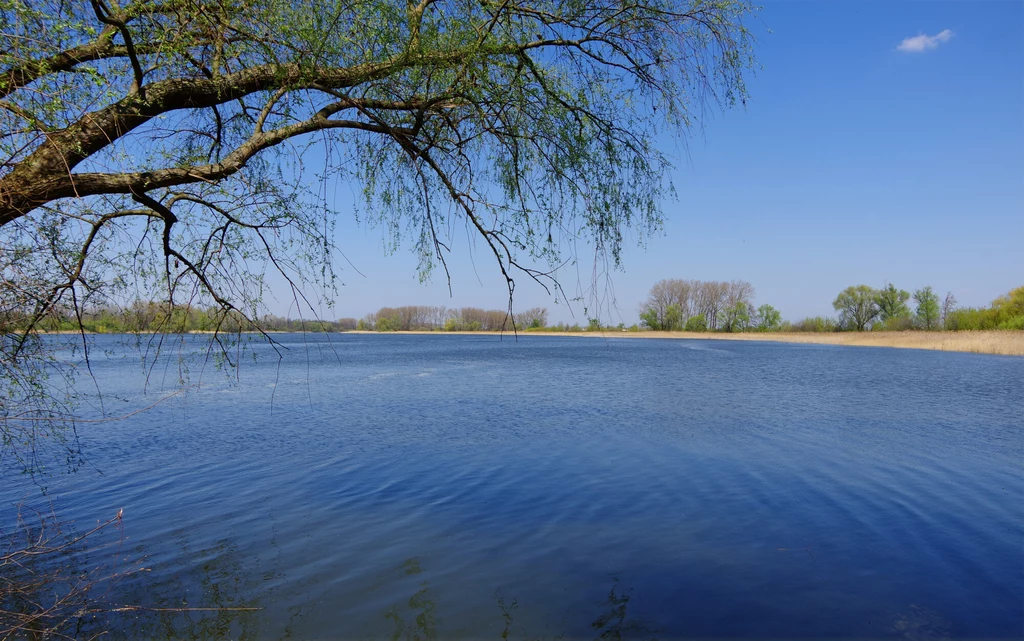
970, 318
815, 324
697, 324
1016, 322
899, 323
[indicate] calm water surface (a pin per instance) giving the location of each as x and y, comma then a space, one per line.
456, 486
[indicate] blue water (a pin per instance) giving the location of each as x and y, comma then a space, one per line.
469, 486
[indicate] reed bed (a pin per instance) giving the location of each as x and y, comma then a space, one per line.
1008, 342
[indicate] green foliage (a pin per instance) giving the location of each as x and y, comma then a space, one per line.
697, 323
1014, 322
769, 319
649, 319
857, 307
164, 317
969, 318
736, 318
927, 308
515, 121
161, 147
892, 302
815, 324
1008, 310
673, 318
900, 323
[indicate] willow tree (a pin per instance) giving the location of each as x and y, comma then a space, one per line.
182, 150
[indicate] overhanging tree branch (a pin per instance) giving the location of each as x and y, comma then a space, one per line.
528, 124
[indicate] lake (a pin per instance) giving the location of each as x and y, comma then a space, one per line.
419, 487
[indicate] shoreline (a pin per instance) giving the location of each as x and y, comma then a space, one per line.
995, 342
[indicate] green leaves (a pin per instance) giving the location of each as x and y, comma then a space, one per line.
857, 306
927, 307
892, 302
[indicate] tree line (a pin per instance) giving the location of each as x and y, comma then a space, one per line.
431, 318
671, 305
166, 317
694, 305
163, 316
861, 308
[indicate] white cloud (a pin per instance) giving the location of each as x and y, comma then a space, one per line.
920, 43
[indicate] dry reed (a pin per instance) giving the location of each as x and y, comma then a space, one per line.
1008, 342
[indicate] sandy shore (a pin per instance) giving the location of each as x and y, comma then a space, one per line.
1009, 343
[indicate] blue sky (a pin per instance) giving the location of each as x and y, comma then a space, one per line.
855, 161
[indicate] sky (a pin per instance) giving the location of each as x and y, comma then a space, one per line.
882, 142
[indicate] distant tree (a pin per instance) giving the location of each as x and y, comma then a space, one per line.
714, 296
738, 291
948, 305
533, 318
857, 307
696, 323
663, 295
927, 307
1008, 310
649, 318
768, 318
736, 317
690, 297
892, 302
